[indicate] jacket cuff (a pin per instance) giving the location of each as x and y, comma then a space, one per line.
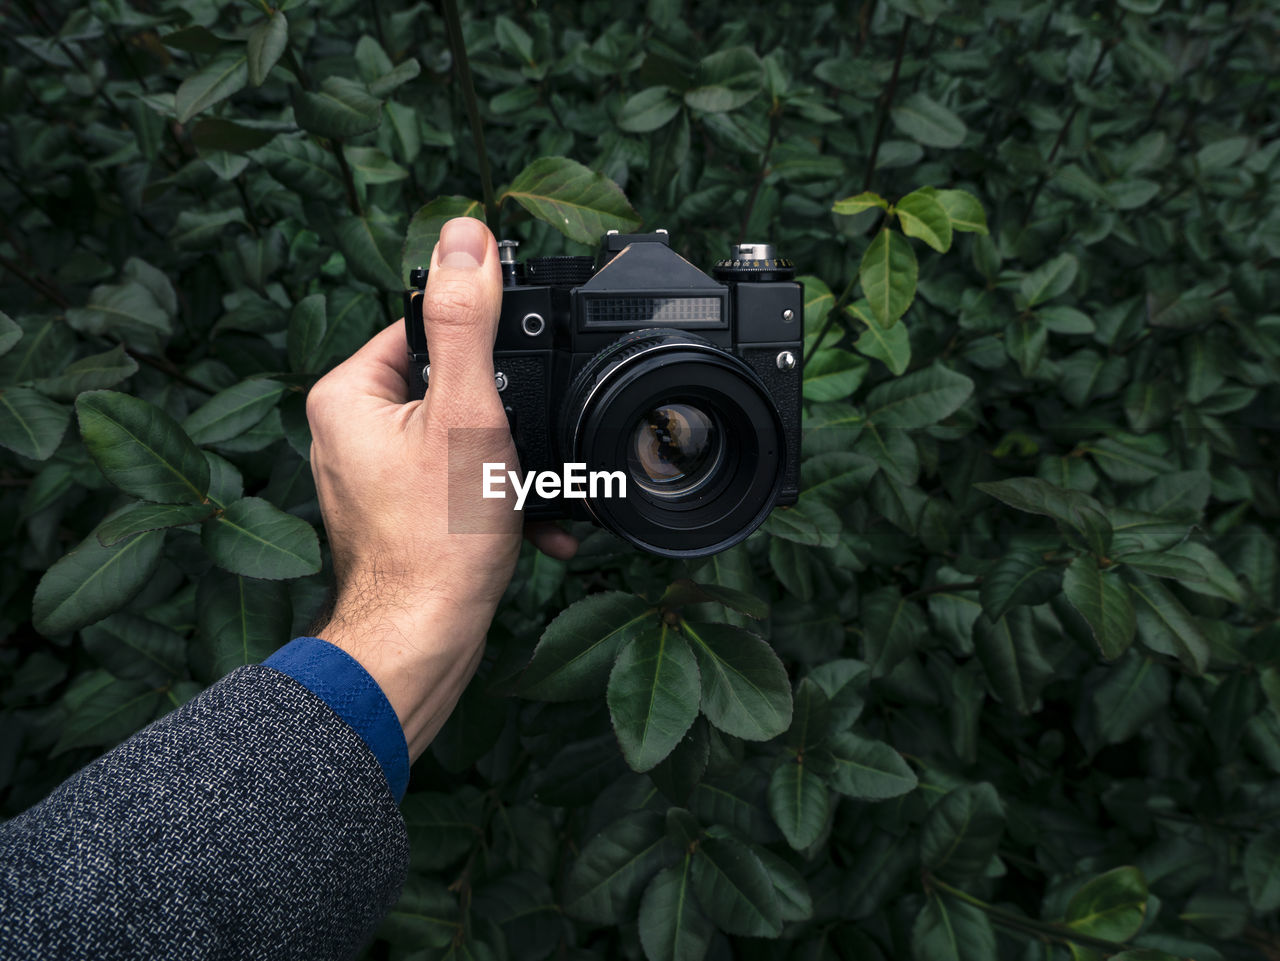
338, 679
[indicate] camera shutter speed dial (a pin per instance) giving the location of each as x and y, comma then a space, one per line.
754, 263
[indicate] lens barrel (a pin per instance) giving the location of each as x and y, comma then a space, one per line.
694, 430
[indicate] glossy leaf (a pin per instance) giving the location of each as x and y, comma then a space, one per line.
93, 581
140, 448
577, 201
744, 686
574, 656
888, 273
254, 538
734, 889
653, 695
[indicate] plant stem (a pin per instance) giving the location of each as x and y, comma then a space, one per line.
775, 114
459, 48
1010, 919
1062, 136
886, 104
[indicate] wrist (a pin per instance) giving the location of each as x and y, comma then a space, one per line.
421, 653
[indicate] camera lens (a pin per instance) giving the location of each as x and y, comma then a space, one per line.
691, 427
674, 450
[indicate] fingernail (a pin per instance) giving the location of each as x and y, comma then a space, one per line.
462, 243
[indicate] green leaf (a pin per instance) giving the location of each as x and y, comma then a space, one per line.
1010, 654
30, 423
745, 691
371, 166
424, 229
341, 108
948, 929
1020, 577
577, 201
425, 915
372, 250
928, 122
648, 110
1104, 601
102, 710
1134, 691
239, 621
653, 695
832, 374
231, 412
1165, 564
93, 581
963, 210
860, 202
868, 770
726, 80
684, 591
892, 628
124, 308
920, 399
577, 650
1164, 625
672, 926
922, 216
141, 516
89, 373
255, 538
735, 890
133, 648
614, 867
266, 43
1071, 508
1180, 494
223, 76
303, 167
10, 333
888, 275
799, 802
1111, 906
1049, 279
141, 449
393, 79
1262, 871
1025, 339
889, 345
962, 831
212, 134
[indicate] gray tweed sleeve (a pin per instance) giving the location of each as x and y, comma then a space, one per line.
252, 822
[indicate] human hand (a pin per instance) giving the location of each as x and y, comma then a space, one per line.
400, 487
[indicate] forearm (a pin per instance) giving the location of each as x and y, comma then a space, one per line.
251, 822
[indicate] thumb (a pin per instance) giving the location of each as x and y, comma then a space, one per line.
460, 309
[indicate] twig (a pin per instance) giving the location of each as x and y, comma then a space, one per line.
775, 116
463, 66
887, 103
1062, 136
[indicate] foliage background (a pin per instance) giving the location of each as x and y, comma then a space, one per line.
1031, 720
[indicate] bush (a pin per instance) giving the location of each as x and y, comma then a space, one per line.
1006, 681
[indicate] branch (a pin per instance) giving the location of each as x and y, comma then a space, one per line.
775, 121
459, 48
1010, 919
888, 102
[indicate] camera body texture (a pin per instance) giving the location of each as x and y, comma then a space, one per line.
638, 362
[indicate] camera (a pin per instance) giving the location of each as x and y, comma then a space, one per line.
683, 387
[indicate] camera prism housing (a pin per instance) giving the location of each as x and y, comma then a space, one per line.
637, 362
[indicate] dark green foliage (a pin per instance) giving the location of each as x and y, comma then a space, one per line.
1005, 683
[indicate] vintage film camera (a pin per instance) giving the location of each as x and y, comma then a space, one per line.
639, 362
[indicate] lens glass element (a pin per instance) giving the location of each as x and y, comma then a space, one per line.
674, 449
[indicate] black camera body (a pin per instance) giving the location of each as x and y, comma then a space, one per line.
640, 364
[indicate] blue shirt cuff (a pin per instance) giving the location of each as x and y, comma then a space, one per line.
337, 678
